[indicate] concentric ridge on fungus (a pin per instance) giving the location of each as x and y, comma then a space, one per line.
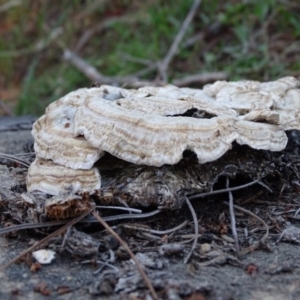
54, 138
50, 178
154, 140
155, 125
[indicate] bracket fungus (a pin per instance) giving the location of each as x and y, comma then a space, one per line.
154, 140
54, 138
153, 126
51, 178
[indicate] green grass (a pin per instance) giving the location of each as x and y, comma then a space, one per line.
253, 39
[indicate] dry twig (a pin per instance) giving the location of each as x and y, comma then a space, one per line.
129, 209
196, 228
138, 266
133, 80
148, 236
222, 260
66, 236
46, 239
92, 73
263, 239
158, 232
265, 186
247, 201
223, 190
102, 263
86, 220
232, 219
14, 158
164, 64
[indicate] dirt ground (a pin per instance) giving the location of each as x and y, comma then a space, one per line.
269, 272
277, 277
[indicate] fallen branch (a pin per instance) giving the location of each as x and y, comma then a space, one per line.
91, 72
133, 80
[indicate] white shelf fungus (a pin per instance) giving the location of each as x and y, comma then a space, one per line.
48, 177
54, 137
154, 125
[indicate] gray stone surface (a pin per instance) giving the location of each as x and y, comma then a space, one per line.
15, 133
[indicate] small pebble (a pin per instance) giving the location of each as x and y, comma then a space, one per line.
205, 247
44, 256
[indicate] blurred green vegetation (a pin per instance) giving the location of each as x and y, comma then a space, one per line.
247, 39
